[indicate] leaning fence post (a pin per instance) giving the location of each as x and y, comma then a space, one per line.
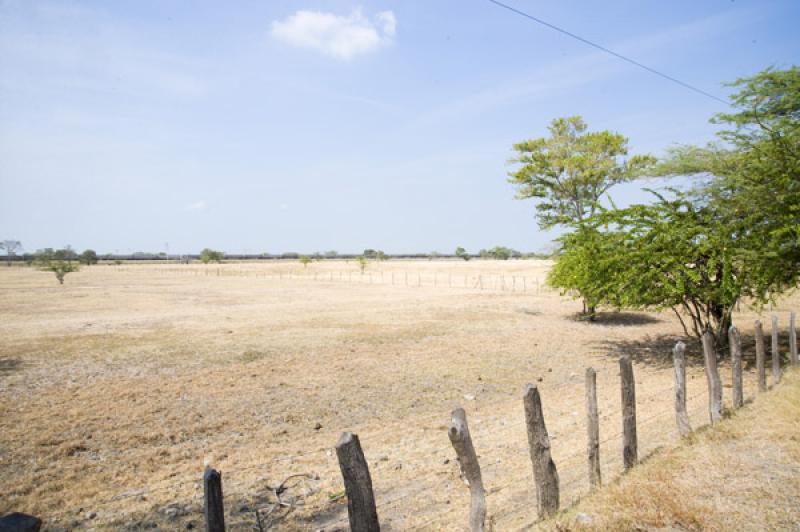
712, 376
776, 356
545, 475
681, 416
628, 387
735, 341
470, 468
357, 484
760, 358
592, 428
792, 340
212, 493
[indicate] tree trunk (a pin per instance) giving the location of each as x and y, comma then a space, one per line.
722, 322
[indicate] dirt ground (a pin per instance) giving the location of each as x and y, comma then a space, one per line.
118, 388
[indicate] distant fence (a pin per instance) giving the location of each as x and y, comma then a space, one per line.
479, 281
584, 469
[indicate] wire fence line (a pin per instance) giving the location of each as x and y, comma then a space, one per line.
494, 282
437, 487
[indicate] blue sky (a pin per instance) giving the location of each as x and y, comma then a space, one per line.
303, 126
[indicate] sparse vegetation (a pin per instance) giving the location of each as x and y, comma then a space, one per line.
361, 260
60, 262
462, 253
88, 257
209, 255
305, 260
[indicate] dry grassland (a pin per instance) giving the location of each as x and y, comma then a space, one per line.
117, 388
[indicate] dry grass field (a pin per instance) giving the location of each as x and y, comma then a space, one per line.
118, 387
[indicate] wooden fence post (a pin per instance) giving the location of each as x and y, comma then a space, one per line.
592, 428
793, 339
630, 453
735, 341
681, 416
357, 484
776, 356
212, 493
470, 468
545, 475
761, 367
712, 376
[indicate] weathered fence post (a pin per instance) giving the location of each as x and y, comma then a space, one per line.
712, 376
214, 509
735, 341
792, 339
545, 475
592, 428
468, 460
357, 484
776, 356
630, 453
761, 368
681, 416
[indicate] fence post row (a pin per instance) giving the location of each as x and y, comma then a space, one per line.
681, 416
470, 468
592, 428
545, 475
357, 484
712, 376
630, 453
735, 341
776, 356
212, 493
760, 357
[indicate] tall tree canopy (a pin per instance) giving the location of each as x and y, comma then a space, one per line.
569, 171
735, 234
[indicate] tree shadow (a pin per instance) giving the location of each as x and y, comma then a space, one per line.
655, 351
617, 319
9, 366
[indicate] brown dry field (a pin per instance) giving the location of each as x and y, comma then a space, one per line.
118, 387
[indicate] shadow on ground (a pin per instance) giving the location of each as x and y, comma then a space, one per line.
9, 366
654, 351
617, 319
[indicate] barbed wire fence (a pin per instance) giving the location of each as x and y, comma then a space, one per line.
431, 493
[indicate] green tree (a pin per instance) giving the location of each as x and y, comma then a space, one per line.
569, 172
60, 262
735, 234
210, 255
88, 257
305, 260
381, 256
462, 253
755, 178
362, 263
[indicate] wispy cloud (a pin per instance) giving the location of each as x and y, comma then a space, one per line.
341, 37
197, 206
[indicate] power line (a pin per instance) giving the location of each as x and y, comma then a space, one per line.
606, 50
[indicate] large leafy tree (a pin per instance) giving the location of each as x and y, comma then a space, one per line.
735, 234
568, 173
753, 178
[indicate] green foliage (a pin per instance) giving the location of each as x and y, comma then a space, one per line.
735, 234
499, 253
370, 253
362, 263
569, 171
381, 256
210, 255
305, 260
88, 257
59, 261
462, 253
754, 180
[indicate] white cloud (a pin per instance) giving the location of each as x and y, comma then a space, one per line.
197, 205
342, 37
